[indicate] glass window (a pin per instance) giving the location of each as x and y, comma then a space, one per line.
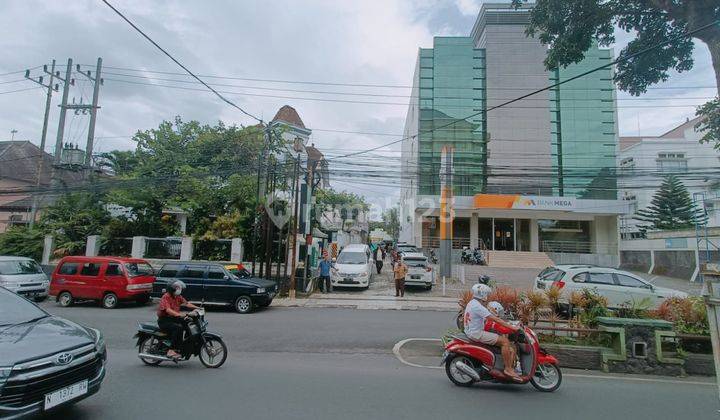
193, 271
9, 268
415, 262
601, 278
169, 270
68, 269
90, 269
17, 309
113, 269
216, 273
352, 258
580, 278
628, 281
139, 269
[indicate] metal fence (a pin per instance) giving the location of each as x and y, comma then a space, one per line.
434, 242
116, 247
163, 248
212, 250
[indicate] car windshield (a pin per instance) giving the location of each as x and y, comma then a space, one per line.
16, 309
352, 258
415, 262
407, 249
9, 268
139, 269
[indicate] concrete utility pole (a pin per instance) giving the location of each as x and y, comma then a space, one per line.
97, 81
446, 211
293, 229
63, 111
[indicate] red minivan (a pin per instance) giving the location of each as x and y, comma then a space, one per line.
109, 280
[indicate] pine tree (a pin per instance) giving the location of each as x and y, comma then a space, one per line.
671, 208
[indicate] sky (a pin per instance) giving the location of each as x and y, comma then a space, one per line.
370, 42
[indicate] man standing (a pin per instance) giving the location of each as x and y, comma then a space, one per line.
324, 274
400, 271
378, 257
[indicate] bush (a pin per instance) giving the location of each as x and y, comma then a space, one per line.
688, 314
22, 241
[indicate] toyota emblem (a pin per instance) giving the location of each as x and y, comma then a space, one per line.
63, 358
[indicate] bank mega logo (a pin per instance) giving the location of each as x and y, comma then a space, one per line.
545, 203
528, 202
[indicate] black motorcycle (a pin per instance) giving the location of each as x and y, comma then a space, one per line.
154, 344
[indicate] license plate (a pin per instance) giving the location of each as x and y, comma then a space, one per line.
347, 280
416, 277
65, 394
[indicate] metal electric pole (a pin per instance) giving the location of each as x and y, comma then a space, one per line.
446, 211
293, 229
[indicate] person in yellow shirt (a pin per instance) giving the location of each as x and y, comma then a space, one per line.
400, 272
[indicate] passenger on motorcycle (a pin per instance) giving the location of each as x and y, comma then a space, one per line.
475, 319
170, 318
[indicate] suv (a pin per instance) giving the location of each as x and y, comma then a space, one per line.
617, 286
419, 271
24, 276
47, 361
108, 280
353, 267
216, 284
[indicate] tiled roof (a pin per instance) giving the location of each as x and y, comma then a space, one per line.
289, 115
679, 131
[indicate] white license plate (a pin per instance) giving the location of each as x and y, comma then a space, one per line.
65, 394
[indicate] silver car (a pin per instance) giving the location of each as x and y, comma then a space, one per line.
24, 276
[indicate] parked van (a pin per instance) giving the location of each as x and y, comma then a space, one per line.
108, 280
24, 276
354, 267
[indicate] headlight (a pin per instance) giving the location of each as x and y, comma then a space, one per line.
99, 339
260, 290
4, 374
364, 274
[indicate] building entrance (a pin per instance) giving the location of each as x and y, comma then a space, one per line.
504, 235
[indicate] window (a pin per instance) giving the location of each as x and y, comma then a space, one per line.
193, 271
90, 269
580, 278
113, 269
627, 164
169, 270
68, 269
601, 278
139, 269
672, 162
216, 273
10, 268
628, 281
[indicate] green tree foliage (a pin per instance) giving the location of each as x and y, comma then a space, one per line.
671, 208
329, 197
391, 222
569, 28
71, 219
22, 241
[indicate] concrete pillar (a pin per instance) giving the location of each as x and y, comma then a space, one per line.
182, 220
138, 246
236, 250
48, 248
186, 248
473, 231
534, 236
92, 246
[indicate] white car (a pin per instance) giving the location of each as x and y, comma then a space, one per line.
354, 267
403, 248
420, 273
617, 286
25, 277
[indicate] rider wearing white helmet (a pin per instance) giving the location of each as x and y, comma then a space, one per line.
476, 315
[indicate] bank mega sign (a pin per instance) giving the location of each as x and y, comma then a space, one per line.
523, 202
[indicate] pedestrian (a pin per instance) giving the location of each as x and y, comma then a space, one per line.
324, 269
377, 256
400, 271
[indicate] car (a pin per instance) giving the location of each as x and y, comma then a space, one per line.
420, 273
403, 247
24, 276
108, 280
353, 267
216, 284
47, 362
619, 287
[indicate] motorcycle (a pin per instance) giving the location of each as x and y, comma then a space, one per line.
478, 257
154, 344
467, 362
466, 255
433, 257
474, 256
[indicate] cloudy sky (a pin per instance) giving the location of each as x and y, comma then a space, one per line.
370, 42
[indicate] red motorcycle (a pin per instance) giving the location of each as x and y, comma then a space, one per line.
467, 361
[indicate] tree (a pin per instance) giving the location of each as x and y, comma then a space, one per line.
671, 208
22, 241
391, 222
569, 28
338, 199
71, 219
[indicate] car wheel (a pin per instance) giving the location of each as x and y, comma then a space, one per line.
110, 301
244, 305
65, 299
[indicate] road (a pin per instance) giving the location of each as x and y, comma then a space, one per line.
337, 363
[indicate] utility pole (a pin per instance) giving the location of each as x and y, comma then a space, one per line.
266, 137
293, 229
446, 211
43, 137
12, 134
63, 111
97, 81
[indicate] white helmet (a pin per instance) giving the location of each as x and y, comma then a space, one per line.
496, 306
481, 291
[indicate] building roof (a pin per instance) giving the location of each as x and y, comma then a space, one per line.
679, 131
289, 115
19, 161
628, 141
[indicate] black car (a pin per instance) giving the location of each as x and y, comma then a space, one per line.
217, 284
45, 361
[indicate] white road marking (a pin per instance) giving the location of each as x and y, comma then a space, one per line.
399, 344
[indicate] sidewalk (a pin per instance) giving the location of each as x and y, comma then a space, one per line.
357, 301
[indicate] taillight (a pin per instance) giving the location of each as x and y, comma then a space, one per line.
559, 284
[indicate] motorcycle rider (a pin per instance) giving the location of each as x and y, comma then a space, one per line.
475, 317
170, 318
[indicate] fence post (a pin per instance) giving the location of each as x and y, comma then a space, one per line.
48, 245
462, 273
236, 250
443, 285
138, 246
186, 248
92, 246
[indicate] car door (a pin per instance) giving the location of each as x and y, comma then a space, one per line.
217, 286
89, 278
193, 275
605, 285
66, 277
637, 290
113, 276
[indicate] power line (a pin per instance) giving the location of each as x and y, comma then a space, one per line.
229, 102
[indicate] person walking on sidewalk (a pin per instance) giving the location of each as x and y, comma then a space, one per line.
378, 257
400, 272
324, 274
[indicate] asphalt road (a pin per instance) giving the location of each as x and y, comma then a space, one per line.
337, 364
